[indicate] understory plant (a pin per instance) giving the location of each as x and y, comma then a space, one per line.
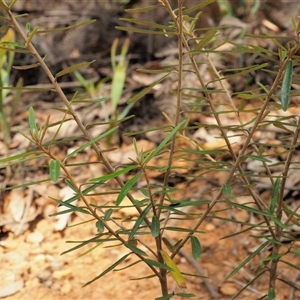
157, 208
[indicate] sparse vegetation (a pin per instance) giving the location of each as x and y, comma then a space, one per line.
199, 52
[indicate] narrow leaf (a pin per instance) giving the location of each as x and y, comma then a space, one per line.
143, 9
54, 170
227, 190
73, 68
32, 122
114, 174
93, 141
198, 7
164, 142
249, 258
27, 67
139, 221
126, 188
166, 297
108, 269
145, 91
60, 29
135, 249
206, 39
146, 23
185, 295
155, 263
155, 226
196, 248
176, 274
145, 31
286, 85
274, 196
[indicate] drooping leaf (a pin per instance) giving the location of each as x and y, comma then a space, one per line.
176, 274
196, 248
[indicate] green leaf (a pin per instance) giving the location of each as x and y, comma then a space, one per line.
107, 214
157, 264
258, 158
197, 7
145, 91
155, 226
126, 188
139, 221
271, 294
100, 226
146, 31
286, 85
196, 247
206, 39
32, 122
85, 192
73, 208
93, 141
114, 174
145, 23
259, 212
166, 297
249, 258
108, 269
135, 249
70, 185
60, 29
31, 35
185, 295
54, 170
227, 190
274, 196
163, 143
73, 68
143, 9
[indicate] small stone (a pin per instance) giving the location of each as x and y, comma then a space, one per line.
61, 273
210, 227
228, 289
66, 287
35, 237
